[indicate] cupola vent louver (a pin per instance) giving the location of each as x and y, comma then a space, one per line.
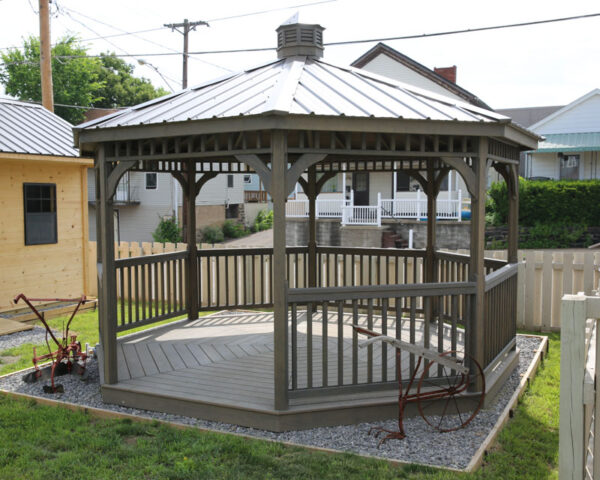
299, 39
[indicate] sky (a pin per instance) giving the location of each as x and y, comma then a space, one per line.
551, 64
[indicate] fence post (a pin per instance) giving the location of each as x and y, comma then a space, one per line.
379, 209
571, 447
459, 206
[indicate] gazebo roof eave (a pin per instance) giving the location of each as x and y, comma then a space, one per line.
277, 120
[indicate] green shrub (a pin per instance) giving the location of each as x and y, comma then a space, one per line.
212, 235
264, 220
576, 202
233, 229
167, 231
555, 235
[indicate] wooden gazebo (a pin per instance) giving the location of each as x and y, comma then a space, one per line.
300, 119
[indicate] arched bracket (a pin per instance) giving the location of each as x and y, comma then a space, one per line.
326, 176
202, 180
304, 184
439, 179
180, 177
465, 172
116, 174
510, 175
419, 178
259, 167
299, 166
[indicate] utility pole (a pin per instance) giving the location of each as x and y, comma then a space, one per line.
187, 27
45, 57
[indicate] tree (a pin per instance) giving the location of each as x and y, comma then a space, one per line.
78, 80
120, 88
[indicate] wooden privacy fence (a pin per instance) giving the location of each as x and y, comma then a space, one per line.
579, 452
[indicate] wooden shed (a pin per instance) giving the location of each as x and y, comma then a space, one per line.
301, 365
43, 200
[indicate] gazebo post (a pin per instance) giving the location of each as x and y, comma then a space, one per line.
107, 288
430, 271
513, 213
476, 264
278, 194
192, 248
312, 226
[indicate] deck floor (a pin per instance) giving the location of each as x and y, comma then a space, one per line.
227, 358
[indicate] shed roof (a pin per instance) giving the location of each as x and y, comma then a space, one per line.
28, 128
298, 85
570, 142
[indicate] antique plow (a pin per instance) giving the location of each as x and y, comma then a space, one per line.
68, 356
442, 400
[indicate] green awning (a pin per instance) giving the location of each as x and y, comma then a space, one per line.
570, 142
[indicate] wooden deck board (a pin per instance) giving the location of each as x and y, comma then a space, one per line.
228, 360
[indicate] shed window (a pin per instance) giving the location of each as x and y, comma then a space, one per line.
40, 213
151, 181
229, 181
247, 179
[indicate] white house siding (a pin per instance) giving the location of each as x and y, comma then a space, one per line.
138, 221
384, 65
581, 118
548, 165
380, 183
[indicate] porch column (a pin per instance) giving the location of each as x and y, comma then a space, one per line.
191, 291
475, 328
513, 213
280, 337
430, 270
312, 227
107, 288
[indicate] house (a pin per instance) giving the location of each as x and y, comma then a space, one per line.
572, 140
43, 198
141, 199
396, 195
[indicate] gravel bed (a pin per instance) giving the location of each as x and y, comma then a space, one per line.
423, 444
36, 336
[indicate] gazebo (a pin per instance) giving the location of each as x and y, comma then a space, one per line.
299, 119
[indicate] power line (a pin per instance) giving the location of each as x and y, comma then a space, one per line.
348, 42
156, 29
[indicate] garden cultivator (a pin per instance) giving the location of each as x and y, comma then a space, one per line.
68, 356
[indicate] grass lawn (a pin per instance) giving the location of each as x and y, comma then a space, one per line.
46, 442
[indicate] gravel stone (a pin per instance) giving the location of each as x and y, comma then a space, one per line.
35, 336
423, 444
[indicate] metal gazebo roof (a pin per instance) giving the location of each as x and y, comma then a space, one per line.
299, 85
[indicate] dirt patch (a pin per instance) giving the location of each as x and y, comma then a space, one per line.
5, 360
131, 440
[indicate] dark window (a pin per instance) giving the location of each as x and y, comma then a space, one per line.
232, 211
402, 182
40, 213
151, 181
229, 181
569, 167
247, 179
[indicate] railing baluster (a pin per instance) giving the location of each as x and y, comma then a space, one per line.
370, 347
325, 340
412, 327
354, 343
340, 344
440, 302
309, 352
227, 289
169, 309
384, 366
218, 281
137, 293
129, 299
294, 346
262, 279
122, 293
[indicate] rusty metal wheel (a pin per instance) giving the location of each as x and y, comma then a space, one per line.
452, 408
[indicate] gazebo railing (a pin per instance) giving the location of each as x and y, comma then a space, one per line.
500, 314
323, 349
152, 288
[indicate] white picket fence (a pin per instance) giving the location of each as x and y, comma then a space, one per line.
578, 452
350, 214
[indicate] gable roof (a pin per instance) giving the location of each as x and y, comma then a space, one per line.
564, 109
528, 116
298, 85
383, 49
28, 128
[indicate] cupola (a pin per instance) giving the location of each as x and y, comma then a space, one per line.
295, 38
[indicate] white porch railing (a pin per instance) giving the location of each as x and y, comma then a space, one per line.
350, 214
